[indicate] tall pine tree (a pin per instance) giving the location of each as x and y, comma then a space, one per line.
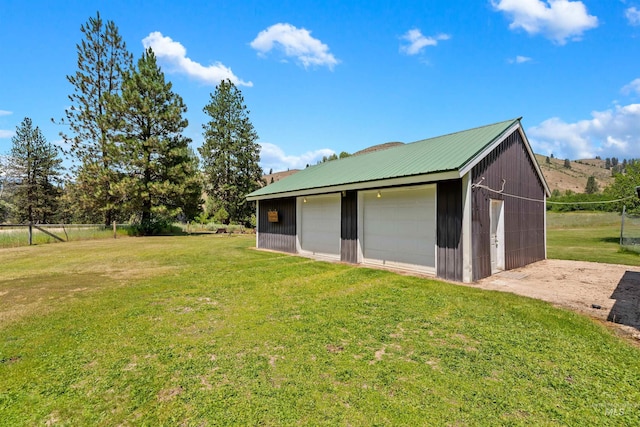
36, 167
102, 59
592, 185
160, 179
230, 153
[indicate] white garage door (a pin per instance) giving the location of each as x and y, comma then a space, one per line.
399, 228
320, 225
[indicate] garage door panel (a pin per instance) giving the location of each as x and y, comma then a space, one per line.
320, 225
399, 227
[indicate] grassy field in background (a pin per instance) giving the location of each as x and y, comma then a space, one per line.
203, 330
587, 236
19, 236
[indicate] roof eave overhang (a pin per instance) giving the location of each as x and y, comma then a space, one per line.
366, 185
481, 155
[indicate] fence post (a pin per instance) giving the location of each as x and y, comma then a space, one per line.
624, 208
30, 234
114, 229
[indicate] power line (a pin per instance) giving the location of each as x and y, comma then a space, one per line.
543, 200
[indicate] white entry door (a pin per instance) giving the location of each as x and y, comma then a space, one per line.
497, 235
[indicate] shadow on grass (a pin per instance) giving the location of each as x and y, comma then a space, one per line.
610, 239
196, 233
626, 309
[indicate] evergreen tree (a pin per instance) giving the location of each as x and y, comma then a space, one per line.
230, 153
5, 206
567, 163
102, 59
592, 185
547, 160
160, 182
36, 168
607, 163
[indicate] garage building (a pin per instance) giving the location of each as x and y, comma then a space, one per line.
460, 206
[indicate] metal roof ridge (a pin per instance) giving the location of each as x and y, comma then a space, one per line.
464, 131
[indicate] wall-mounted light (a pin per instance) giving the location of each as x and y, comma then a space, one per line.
304, 200
379, 195
344, 193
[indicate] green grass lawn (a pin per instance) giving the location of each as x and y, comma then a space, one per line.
587, 236
203, 330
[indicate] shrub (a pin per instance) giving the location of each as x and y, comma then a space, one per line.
221, 216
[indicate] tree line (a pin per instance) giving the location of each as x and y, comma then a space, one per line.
131, 161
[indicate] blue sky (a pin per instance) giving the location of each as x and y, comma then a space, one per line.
331, 76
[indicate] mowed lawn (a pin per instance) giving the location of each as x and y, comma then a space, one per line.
589, 236
204, 330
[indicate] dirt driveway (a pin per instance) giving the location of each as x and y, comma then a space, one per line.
608, 292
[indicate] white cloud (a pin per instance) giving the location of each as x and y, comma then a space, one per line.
417, 41
174, 54
295, 43
519, 60
273, 157
610, 133
633, 16
632, 87
5, 113
557, 20
6, 133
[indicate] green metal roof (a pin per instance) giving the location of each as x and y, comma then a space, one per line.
440, 154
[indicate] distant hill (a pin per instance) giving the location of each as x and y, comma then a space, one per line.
575, 179
378, 147
557, 176
277, 176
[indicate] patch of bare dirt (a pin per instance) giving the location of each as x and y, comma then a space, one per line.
608, 292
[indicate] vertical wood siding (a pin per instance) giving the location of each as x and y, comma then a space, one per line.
449, 226
349, 228
281, 235
523, 219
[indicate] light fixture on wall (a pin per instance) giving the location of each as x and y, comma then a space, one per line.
379, 195
304, 200
344, 193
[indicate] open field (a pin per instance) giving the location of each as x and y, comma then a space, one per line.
11, 237
587, 236
203, 330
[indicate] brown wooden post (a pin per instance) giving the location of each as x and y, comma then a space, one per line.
114, 229
30, 234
